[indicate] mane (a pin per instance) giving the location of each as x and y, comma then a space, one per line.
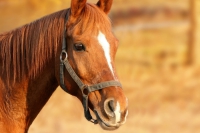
25, 50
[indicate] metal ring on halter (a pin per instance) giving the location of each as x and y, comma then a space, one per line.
85, 90
61, 55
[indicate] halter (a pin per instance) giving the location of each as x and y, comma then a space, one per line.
85, 89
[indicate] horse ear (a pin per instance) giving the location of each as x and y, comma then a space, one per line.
77, 6
105, 5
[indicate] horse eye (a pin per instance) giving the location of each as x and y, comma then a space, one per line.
79, 47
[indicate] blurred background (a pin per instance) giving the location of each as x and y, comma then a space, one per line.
157, 62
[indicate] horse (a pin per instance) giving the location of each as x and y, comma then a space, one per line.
73, 48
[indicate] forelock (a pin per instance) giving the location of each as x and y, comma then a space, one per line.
91, 20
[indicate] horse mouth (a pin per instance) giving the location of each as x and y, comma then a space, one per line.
106, 125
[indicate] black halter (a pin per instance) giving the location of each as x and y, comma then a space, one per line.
85, 89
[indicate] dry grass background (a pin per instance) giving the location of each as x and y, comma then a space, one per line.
163, 92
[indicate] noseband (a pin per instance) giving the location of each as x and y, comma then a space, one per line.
85, 89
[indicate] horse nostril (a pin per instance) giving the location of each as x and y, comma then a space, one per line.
109, 107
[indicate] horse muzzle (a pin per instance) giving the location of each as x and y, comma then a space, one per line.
112, 117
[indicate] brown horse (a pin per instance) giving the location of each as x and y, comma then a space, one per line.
33, 63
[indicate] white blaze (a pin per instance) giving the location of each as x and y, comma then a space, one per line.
106, 47
117, 113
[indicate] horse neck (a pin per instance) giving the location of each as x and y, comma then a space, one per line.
39, 91
22, 101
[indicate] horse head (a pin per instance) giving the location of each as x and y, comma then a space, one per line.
91, 48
